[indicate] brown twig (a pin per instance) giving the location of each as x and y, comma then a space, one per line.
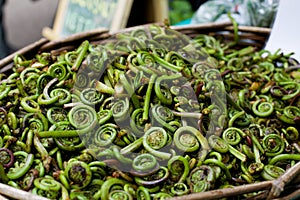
252, 29
227, 192
291, 176
279, 184
72, 39
293, 195
18, 194
3, 198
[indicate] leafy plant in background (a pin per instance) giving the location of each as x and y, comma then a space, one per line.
179, 10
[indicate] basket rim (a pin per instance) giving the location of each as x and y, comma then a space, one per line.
44, 44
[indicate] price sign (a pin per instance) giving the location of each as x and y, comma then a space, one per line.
75, 16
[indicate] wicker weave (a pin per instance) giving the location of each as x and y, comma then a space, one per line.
254, 36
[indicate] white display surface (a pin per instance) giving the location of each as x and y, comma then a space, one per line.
285, 34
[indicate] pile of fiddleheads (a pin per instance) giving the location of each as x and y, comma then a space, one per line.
148, 115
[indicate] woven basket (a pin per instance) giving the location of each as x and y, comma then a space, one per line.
248, 36
254, 36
